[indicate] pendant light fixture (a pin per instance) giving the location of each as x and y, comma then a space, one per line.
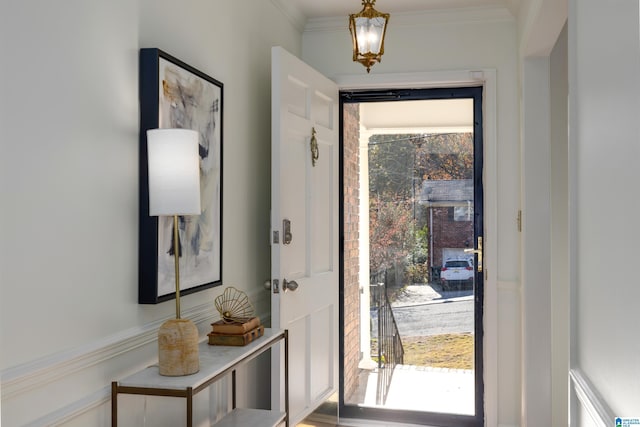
368, 28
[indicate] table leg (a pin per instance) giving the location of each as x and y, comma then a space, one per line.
189, 407
114, 404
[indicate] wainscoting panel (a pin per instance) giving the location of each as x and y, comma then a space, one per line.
70, 388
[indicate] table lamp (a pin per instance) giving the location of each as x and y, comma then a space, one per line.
174, 190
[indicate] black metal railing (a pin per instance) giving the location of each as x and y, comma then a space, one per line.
387, 346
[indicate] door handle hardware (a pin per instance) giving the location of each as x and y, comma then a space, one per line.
315, 151
477, 251
289, 285
286, 231
275, 284
267, 285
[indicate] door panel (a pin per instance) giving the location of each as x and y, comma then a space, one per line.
321, 328
298, 397
324, 110
305, 104
294, 185
322, 204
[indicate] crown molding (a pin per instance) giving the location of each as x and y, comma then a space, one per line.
292, 12
489, 14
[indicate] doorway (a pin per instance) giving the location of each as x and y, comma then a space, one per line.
411, 278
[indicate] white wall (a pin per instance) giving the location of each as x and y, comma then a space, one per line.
604, 105
69, 318
444, 43
559, 87
536, 243
544, 287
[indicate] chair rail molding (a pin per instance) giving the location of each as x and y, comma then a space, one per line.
22, 378
590, 399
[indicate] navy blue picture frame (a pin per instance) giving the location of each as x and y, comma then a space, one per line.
167, 84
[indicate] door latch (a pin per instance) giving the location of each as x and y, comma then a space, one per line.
315, 151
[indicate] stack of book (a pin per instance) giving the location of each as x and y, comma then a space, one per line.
235, 333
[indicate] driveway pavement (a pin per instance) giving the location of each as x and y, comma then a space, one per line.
414, 295
423, 310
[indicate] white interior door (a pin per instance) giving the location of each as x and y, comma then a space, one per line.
304, 105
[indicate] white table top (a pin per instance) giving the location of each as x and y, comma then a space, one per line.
214, 359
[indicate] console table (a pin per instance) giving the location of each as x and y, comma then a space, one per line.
215, 363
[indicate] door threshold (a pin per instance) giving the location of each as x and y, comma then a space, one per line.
353, 422
315, 420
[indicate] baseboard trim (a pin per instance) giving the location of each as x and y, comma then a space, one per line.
590, 399
352, 422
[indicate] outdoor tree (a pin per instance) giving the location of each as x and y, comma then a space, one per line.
398, 165
391, 166
444, 156
391, 232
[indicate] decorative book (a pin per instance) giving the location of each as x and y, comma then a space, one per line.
235, 339
235, 328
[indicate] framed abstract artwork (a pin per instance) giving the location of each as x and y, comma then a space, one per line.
176, 95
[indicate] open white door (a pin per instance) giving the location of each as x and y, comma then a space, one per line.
304, 253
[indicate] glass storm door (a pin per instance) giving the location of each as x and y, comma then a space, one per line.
411, 259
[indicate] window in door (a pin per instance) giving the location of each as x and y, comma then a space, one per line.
411, 279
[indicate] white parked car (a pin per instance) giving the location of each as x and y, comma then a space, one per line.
456, 271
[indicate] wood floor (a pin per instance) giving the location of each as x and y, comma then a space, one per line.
314, 424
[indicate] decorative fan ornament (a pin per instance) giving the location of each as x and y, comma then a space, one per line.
234, 306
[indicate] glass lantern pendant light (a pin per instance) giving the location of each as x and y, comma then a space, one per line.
368, 28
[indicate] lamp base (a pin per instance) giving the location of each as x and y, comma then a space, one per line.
178, 348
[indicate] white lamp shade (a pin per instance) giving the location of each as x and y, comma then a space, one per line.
174, 172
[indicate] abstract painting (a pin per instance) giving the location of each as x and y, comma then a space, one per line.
176, 95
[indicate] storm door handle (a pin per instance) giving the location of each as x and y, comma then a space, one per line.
477, 251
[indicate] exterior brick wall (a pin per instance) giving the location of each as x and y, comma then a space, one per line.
351, 174
448, 233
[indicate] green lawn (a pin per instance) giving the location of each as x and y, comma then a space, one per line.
454, 351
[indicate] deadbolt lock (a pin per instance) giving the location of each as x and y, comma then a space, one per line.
286, 231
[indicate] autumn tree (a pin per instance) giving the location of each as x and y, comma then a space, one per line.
398, 164
444, 156
391, 232
391, 166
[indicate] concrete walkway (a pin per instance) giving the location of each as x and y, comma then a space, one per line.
421, 388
